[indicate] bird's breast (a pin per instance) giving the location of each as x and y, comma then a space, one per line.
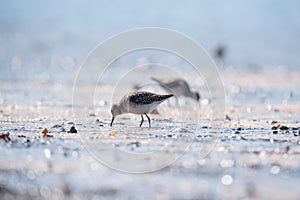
142, 108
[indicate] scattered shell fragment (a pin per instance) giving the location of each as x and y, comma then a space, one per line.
21, 136
45, 133
276, 127
56, 126
113, 134
154, 112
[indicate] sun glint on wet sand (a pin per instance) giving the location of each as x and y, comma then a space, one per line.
44, 151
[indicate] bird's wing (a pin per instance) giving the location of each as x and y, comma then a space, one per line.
147, 98
140, 98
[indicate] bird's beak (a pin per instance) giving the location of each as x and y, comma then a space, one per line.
112, 120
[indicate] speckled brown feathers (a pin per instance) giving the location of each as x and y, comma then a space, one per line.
142, 98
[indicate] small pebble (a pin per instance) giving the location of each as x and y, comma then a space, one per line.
21, 136
287, 148
136, 144
99, 122
284, 128
56, 126
72, 130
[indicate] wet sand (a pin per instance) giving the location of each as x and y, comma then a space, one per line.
256, 152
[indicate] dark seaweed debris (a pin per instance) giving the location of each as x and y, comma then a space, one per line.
5, 137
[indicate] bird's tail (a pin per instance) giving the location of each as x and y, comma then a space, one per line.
162, 97
168, 95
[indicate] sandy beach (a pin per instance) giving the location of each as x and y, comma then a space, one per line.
253, 154
233, 134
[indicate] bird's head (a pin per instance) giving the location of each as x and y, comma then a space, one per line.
115, 110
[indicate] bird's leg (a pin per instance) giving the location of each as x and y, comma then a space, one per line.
149, 121
142, 120
112, 120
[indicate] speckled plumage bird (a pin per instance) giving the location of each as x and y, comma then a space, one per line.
179, 87
139, 103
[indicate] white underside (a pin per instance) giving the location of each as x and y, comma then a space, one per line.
142, 109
